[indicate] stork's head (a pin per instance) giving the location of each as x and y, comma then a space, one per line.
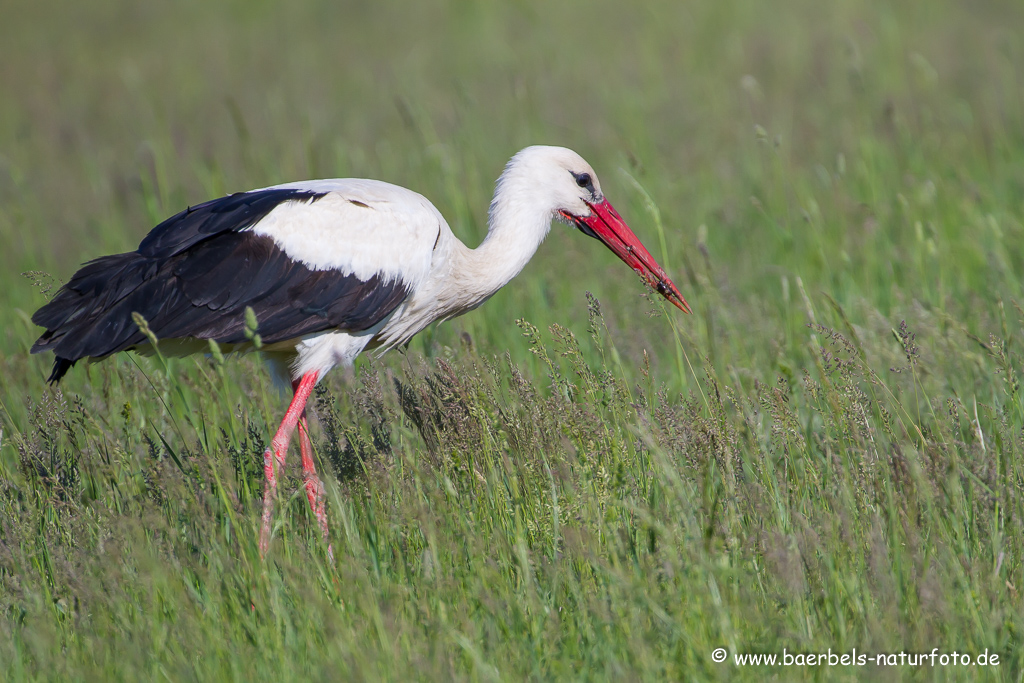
565, 184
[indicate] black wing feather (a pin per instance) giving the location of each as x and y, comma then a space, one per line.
193, 277
233, 213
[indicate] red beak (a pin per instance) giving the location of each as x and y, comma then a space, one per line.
605, 223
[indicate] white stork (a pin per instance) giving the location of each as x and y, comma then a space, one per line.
330, 268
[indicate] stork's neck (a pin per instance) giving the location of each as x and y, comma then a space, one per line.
516, 229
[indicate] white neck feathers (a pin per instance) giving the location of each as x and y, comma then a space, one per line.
519, 219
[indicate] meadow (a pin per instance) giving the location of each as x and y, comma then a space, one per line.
574, 482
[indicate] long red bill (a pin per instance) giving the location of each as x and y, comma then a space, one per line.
605, 223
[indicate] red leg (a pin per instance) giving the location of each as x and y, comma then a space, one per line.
279, 448
314, 486
308, 469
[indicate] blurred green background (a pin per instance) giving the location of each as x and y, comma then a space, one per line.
854, 163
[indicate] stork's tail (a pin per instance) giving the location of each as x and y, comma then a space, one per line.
60, 368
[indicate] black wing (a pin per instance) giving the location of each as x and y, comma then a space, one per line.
194, 275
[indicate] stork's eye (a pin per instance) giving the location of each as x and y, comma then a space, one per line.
583, 179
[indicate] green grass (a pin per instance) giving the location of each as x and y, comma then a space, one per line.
828, 454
